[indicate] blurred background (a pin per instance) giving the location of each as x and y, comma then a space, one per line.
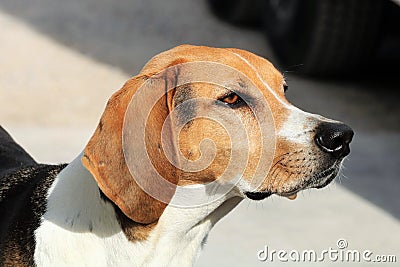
61, 60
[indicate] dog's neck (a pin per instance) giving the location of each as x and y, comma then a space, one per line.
184, 232
82, 228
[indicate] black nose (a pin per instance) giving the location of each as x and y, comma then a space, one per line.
334, 138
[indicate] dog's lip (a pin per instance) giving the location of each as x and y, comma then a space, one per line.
258, 195
261, 195
329, 173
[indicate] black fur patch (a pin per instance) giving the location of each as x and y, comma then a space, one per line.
23, 190
12, 156
22, 203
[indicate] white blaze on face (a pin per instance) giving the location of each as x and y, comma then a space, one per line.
298, 127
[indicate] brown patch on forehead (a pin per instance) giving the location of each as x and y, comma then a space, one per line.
262, 71
265, 69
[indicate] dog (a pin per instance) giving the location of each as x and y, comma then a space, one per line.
130, 202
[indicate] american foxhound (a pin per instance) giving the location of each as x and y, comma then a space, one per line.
207, 116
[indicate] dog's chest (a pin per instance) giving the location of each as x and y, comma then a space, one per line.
70, 247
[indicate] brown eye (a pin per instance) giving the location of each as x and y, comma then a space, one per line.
232, 100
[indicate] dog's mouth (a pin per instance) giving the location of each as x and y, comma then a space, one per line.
261, 195
318, 181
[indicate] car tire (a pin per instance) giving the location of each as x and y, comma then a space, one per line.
323, 37
244, 12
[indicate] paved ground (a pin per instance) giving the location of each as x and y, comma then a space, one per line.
61, 60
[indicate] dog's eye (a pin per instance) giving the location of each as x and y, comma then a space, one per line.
233, 100
285, 88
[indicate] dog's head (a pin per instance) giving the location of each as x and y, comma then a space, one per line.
200, 115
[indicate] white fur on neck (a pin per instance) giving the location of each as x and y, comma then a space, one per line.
80, 229
183, 231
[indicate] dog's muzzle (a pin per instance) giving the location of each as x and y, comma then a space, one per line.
333, 140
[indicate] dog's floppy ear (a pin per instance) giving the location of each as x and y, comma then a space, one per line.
105, 159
